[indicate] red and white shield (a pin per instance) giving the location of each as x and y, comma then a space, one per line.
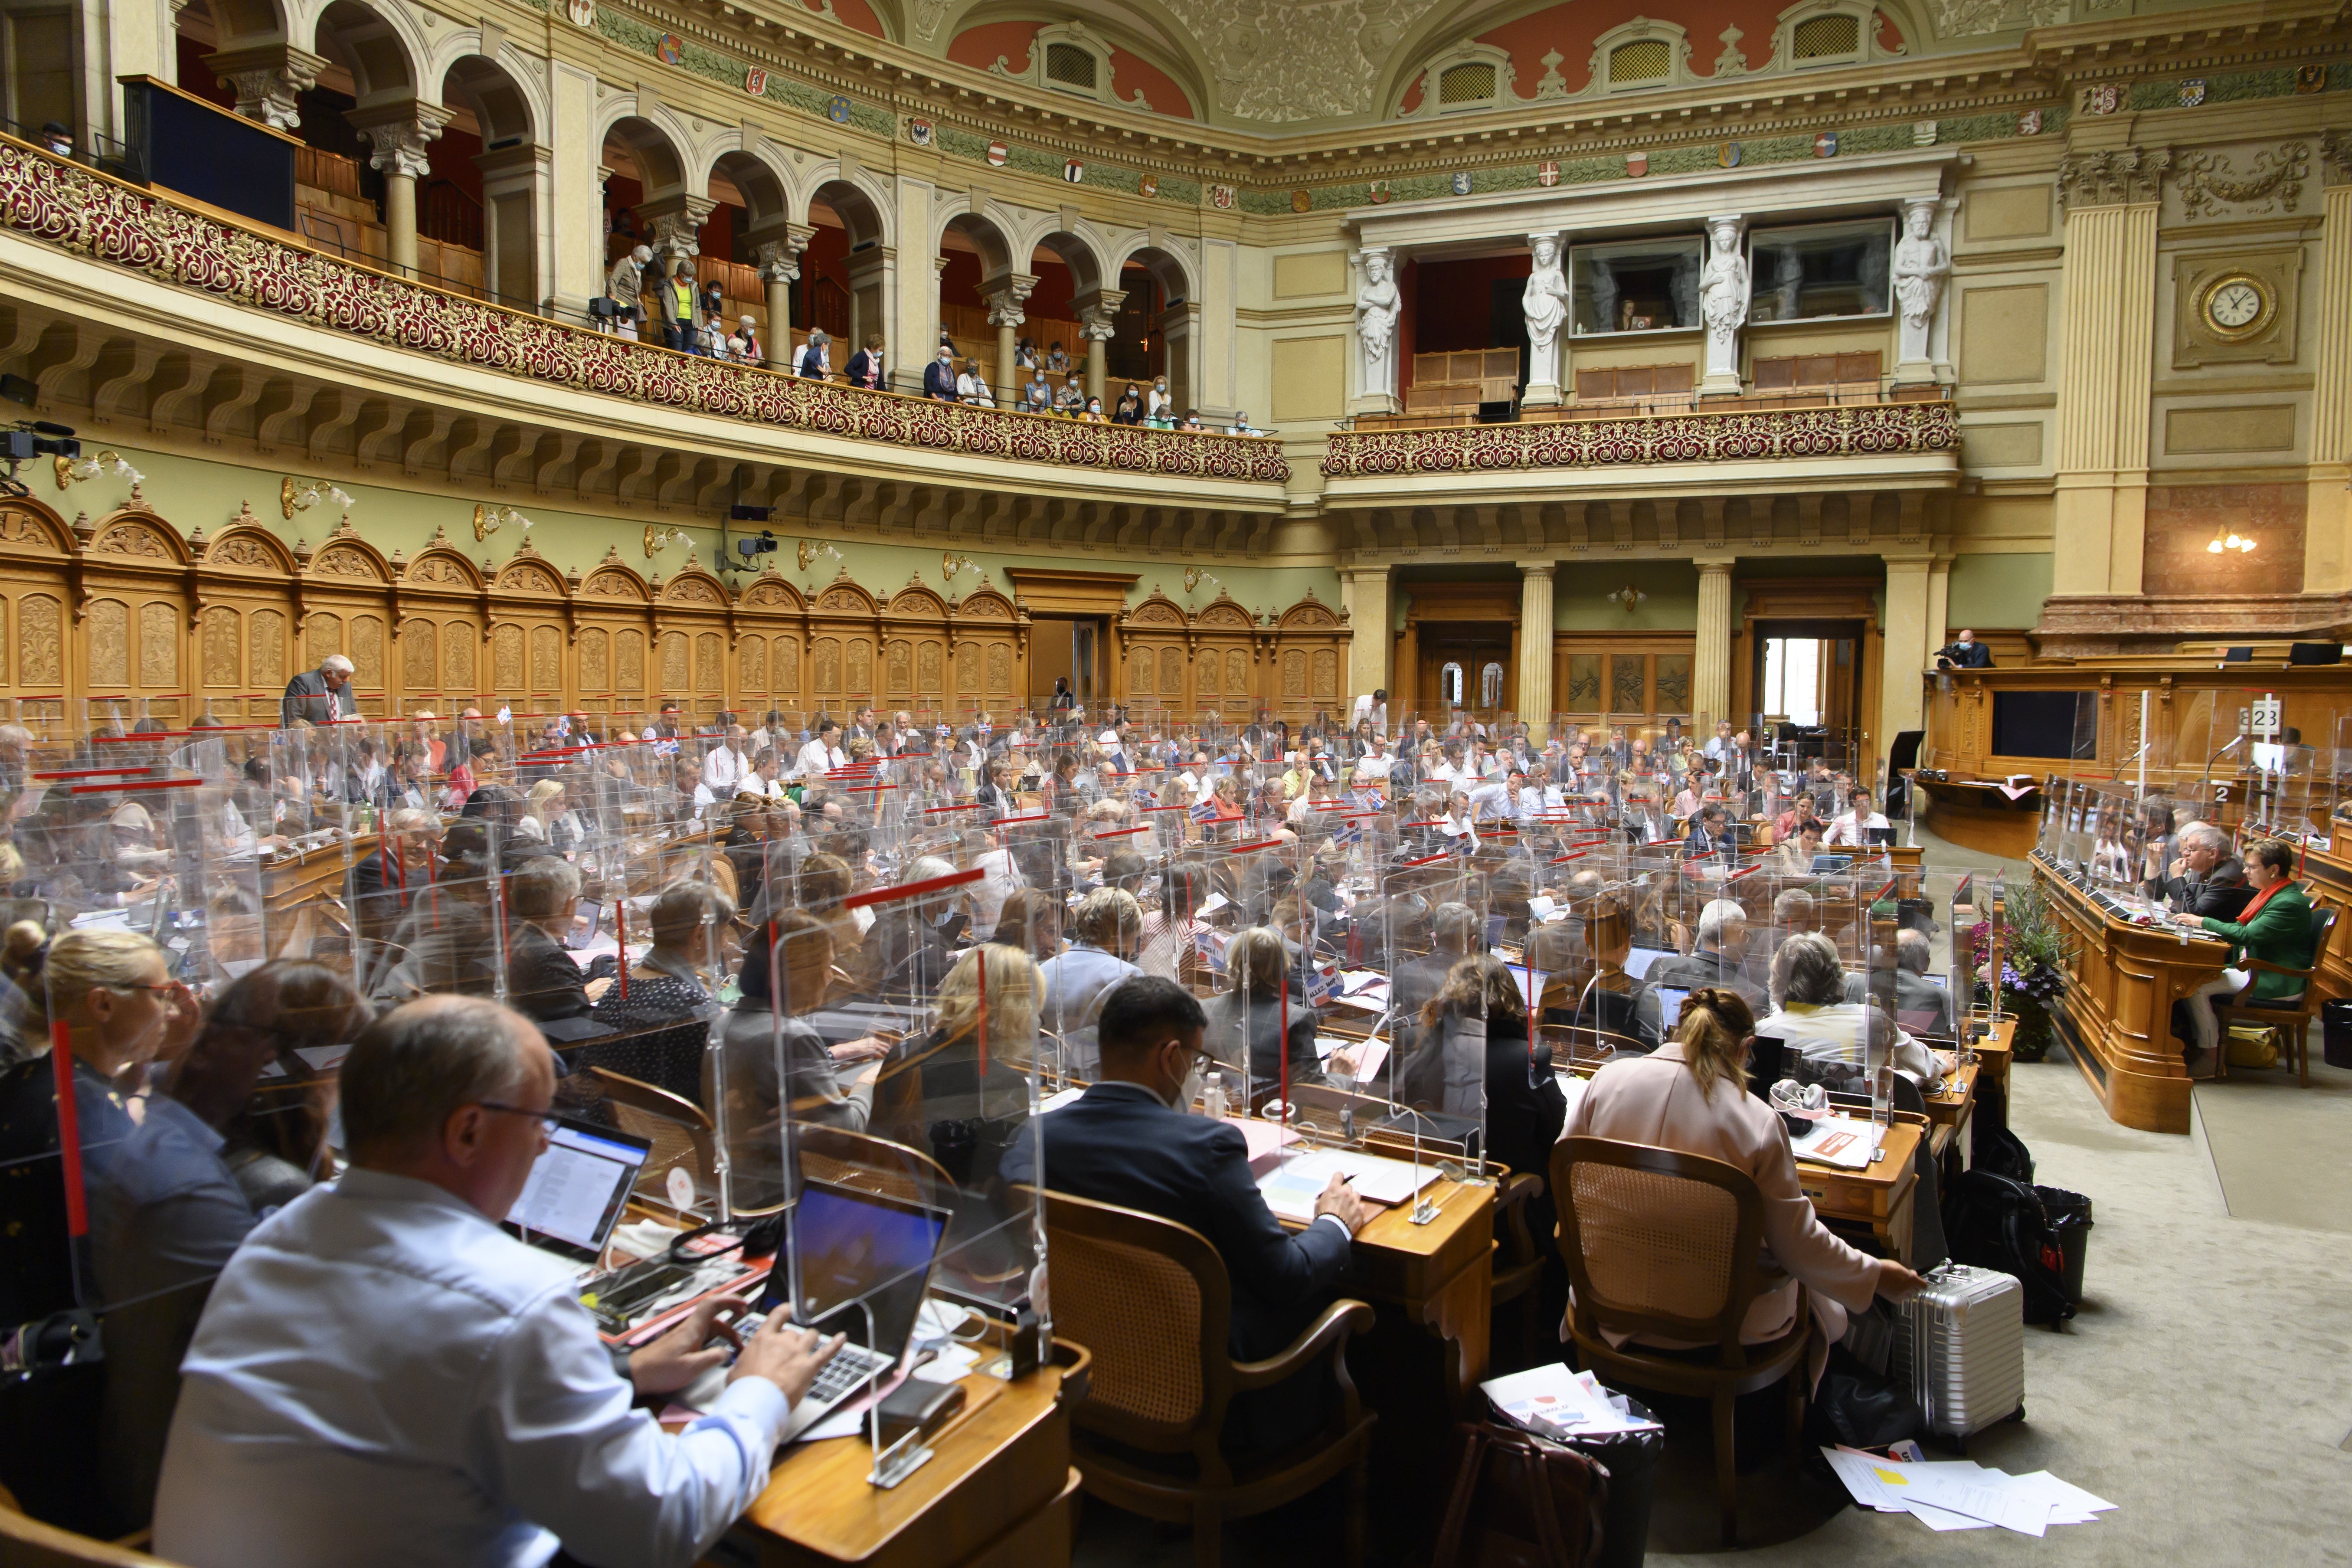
1637, 164
997, 153
1547, 173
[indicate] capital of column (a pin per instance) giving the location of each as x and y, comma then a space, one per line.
779, 260
1096, 312
267, 80
674, 224
1004, 296
1543, 569
2112, 176
399, 133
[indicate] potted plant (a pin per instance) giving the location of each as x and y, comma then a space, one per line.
2032, 969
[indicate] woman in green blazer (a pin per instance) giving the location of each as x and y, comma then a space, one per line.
2274, 927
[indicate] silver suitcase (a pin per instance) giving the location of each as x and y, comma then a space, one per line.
1960, 1344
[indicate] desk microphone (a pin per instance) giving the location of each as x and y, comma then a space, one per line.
2216, 757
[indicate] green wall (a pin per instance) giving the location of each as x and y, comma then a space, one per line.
189, 492
1579, 605
2004, 592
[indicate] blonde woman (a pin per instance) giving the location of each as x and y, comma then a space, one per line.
961, 1089
547, 817
1691, 1096
118, 1011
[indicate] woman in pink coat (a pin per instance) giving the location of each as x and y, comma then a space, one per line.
1691, 1096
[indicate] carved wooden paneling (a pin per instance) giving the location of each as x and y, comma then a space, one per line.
784, 666
967, 670
159, 645
419, 667
1294, 672
752, 663
858, 667
40, 641
506, 659
1325, 683
1236, 673
629, 663
931, 657
265, 664
898, 669
824, 658
1171, 674
1628, 683
1673, 683
364, 641
546, 662
321, 635
1212, 681
220, 656
677, 674
709, 665
107, 627
1000, 670
595, 659
457, 640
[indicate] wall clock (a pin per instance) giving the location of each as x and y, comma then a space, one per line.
2236, 305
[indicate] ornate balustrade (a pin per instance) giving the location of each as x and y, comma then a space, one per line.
83, 211
1870, 430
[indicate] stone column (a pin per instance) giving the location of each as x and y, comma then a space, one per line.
1543, 358
1711, 648
672, 226
399, 133
1179, 330
2106, 368
268, 80
780, 269
573, 248
1534, 647
2328, 505
1096, 311
1903, 698
1940, 604
1365, 592
1004, 296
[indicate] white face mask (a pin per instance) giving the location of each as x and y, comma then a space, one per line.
1190, 1089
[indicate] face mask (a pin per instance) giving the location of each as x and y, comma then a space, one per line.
1190, 1089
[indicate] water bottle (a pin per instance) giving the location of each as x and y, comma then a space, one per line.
1212, 1097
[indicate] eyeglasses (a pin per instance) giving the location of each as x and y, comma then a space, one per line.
547, 1123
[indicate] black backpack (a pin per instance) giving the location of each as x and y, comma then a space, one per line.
1993, 1221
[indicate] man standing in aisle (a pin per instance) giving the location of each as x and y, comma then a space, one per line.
320, 695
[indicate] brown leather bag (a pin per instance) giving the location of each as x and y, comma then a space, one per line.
1521, 1501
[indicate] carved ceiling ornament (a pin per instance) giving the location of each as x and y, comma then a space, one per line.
1971, 18
2274, 183
1279, 61
2115, 176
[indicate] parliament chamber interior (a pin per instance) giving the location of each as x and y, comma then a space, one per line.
1386, 782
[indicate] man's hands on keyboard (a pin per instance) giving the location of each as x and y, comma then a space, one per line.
787, 1356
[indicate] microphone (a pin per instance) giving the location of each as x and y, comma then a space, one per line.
2216, 757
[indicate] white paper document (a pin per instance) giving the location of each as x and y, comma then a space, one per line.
1292, 1187
1960, 1494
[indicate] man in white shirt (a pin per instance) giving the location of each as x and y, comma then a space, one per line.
1720, 746
822, 754
728, 765
1372, 705
1372, 767
384, 1376
1853, 826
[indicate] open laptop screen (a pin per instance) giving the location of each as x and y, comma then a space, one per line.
577, 1189
855, 1245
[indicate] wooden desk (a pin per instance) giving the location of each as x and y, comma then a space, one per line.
1979, 815
1440, 1275
998, 1490
2122, 979
1873, 1203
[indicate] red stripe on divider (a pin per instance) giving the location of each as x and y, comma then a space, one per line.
911, 890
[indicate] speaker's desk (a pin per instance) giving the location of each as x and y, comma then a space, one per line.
2122, 979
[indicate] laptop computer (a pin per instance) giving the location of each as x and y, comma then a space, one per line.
578, 1187
1826, 864
860, 1266
1879, 836
1670, 1004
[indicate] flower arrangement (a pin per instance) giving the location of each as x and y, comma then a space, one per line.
2032, 969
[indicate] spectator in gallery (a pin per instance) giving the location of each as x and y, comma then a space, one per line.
1158, 404
1129, 409
1056, 361
1071, 400
939, 377
1024, 354
865, 365
1037, 397
972, 387
744, 345
816, 357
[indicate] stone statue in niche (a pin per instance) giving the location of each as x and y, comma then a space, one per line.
1544, 305
1377, 304
1922, 264
1723, 303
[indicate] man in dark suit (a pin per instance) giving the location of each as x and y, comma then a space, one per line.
1131, 1140
320, 695
2206, 879
1965, 652
542, 982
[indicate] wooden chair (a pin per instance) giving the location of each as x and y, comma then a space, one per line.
27, 1542
1519, 1264
1650, 1237
2292, 1015
1151, 1300
681, 1130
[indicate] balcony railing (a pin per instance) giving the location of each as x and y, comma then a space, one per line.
1748, 435
66, 204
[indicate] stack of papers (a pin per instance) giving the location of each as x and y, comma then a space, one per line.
1553, 1402
1960, 1494
1839, 1141
1291, 1188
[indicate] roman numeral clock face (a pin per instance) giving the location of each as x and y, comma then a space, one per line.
2236, 306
